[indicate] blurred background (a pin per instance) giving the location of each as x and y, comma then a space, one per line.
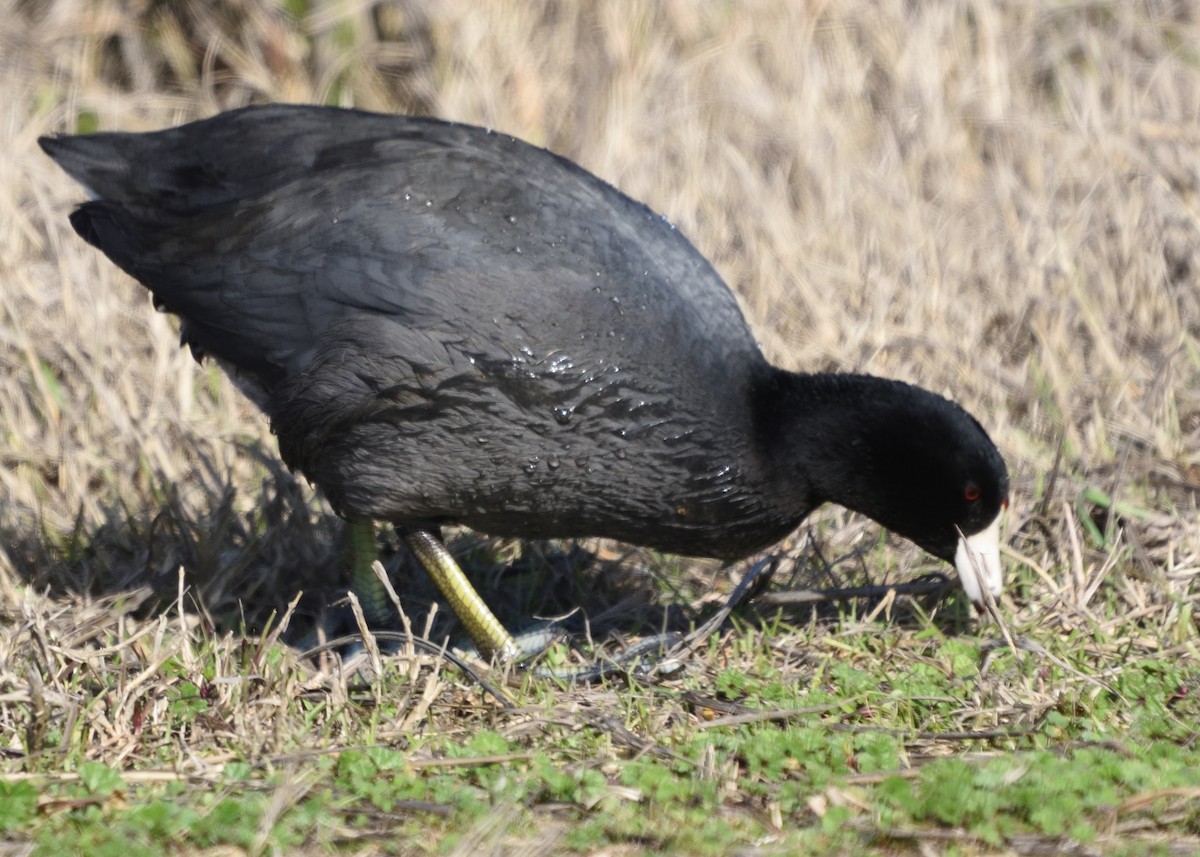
995, 200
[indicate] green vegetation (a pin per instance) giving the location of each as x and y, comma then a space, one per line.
848, 736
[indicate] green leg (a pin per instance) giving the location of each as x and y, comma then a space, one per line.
485, 630
377, 608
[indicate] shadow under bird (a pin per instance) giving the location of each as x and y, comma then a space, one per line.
446, 325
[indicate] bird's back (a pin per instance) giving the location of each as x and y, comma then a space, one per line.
522, 345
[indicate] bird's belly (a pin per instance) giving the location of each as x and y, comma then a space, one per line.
650, 488
537, 445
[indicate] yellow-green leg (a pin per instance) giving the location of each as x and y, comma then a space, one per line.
489, 636
485, 630
377, 607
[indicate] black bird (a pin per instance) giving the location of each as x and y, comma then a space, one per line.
446, 325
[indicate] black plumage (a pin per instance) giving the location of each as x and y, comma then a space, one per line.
447, 325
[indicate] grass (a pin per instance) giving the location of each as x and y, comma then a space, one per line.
822, 753
999, 202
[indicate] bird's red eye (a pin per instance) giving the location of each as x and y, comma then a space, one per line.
971, 492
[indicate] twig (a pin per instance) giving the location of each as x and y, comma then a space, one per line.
850, 593
427, 646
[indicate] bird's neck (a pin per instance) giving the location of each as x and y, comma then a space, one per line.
828, 432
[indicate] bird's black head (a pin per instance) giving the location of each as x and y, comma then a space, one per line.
945, 485
915, 462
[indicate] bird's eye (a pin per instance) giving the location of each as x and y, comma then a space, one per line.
971, 492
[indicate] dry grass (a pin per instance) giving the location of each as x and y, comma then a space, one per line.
997, 201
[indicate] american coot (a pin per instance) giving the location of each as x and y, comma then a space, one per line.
446, 325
